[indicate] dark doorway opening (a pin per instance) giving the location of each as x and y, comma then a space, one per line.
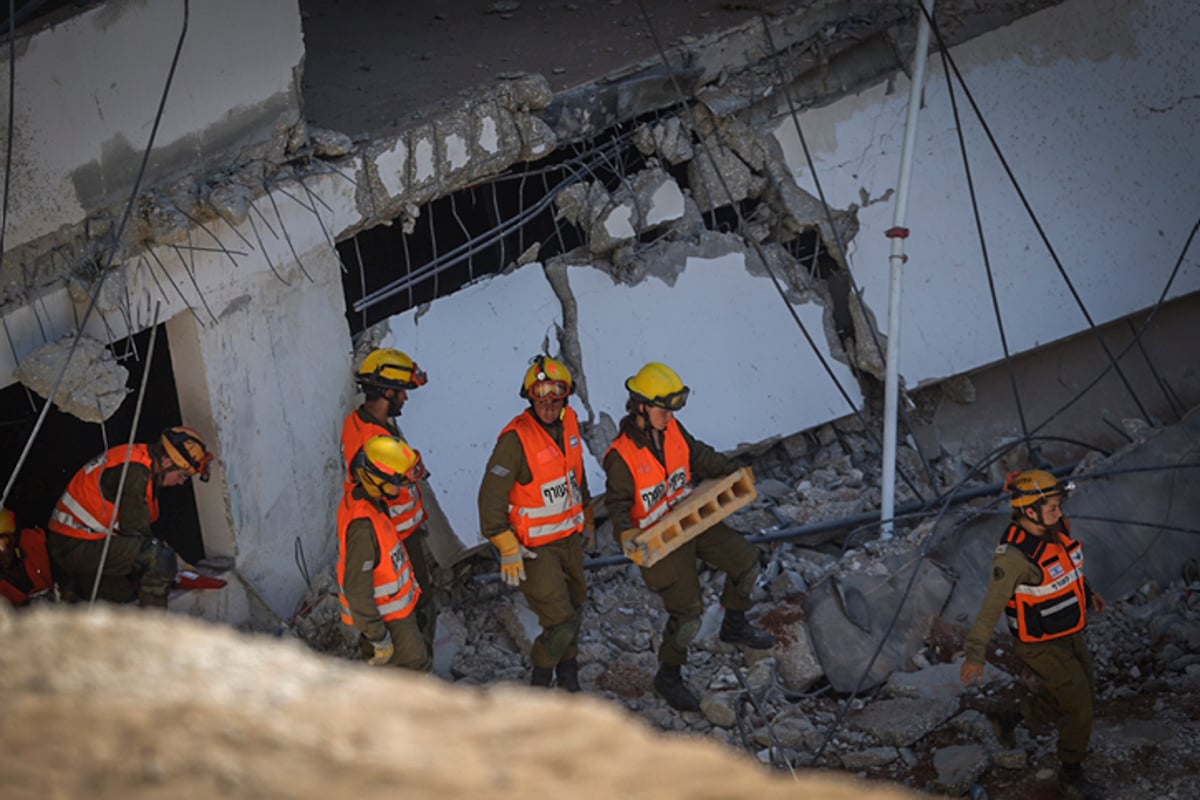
65, 443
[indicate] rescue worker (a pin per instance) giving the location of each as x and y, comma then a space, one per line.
649, 468
24, 562
138, 564
377, 588
1038, 583
385, 379
534, 507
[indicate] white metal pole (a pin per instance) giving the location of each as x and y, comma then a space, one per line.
898, 233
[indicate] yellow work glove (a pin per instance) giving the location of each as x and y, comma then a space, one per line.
383, 650
589, 528
634, 551
512, 557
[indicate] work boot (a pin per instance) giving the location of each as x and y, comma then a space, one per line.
568, 675
1073, 782
736, 629
542, 676
1004, 718
670, 685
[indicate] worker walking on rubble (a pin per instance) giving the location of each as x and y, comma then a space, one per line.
534, 507
137, 563
24, 563
376, 585
650, 467
1038, 583
385, 379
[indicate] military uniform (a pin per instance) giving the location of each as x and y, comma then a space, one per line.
358, 427
1062, 665
137, 565
555, 586
360, 555
675, 578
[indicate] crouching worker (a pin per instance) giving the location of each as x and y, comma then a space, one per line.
137, 564
378, 590
650, 467
24, 562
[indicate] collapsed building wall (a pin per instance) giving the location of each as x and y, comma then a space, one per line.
674, 268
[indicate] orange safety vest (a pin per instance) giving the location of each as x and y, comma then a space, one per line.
658, 487
406, 509
396, 590
83, 511
549, 507
1057, 606
31, 550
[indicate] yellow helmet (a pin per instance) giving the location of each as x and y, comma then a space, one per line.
389, 369
658, 385
1033, 486
186, 450
8, 523
386, 461
547, 377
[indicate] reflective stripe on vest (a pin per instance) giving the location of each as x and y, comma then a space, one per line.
395, 588
549, 507
1056, 606
658, 487
407, 509
83, 511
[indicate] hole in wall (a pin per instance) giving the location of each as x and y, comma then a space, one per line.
65, 443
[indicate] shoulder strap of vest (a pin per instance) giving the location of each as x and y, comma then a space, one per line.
1024, 541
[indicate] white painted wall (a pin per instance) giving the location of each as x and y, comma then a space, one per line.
725, 331
1094, 105
88, 88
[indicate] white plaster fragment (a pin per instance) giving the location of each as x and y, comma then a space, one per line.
92, 388
391, 166
489, 137
423, 160
619, 223
456, 151
666, 204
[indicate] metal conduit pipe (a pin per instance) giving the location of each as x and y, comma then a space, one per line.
800, 531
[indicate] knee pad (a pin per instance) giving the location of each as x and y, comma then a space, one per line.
688, 628
745, 582
559, 637
157, 560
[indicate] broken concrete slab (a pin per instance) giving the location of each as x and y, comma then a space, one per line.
940, 680
845, 650
959, 766
903, 721
93, 385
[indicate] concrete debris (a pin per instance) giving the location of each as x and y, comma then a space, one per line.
94, 385
231, 202
717, 177
329, 144
669, 139
793, 701
959, 766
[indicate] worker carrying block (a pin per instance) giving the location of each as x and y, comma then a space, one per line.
709, 503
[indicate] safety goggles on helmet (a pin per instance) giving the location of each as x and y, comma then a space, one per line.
553, 390
415, 474
671, 402
186, 450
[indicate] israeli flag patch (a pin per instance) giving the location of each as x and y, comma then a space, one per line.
1056, 570
574, 441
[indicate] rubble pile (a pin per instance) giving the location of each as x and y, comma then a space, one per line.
829, 599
